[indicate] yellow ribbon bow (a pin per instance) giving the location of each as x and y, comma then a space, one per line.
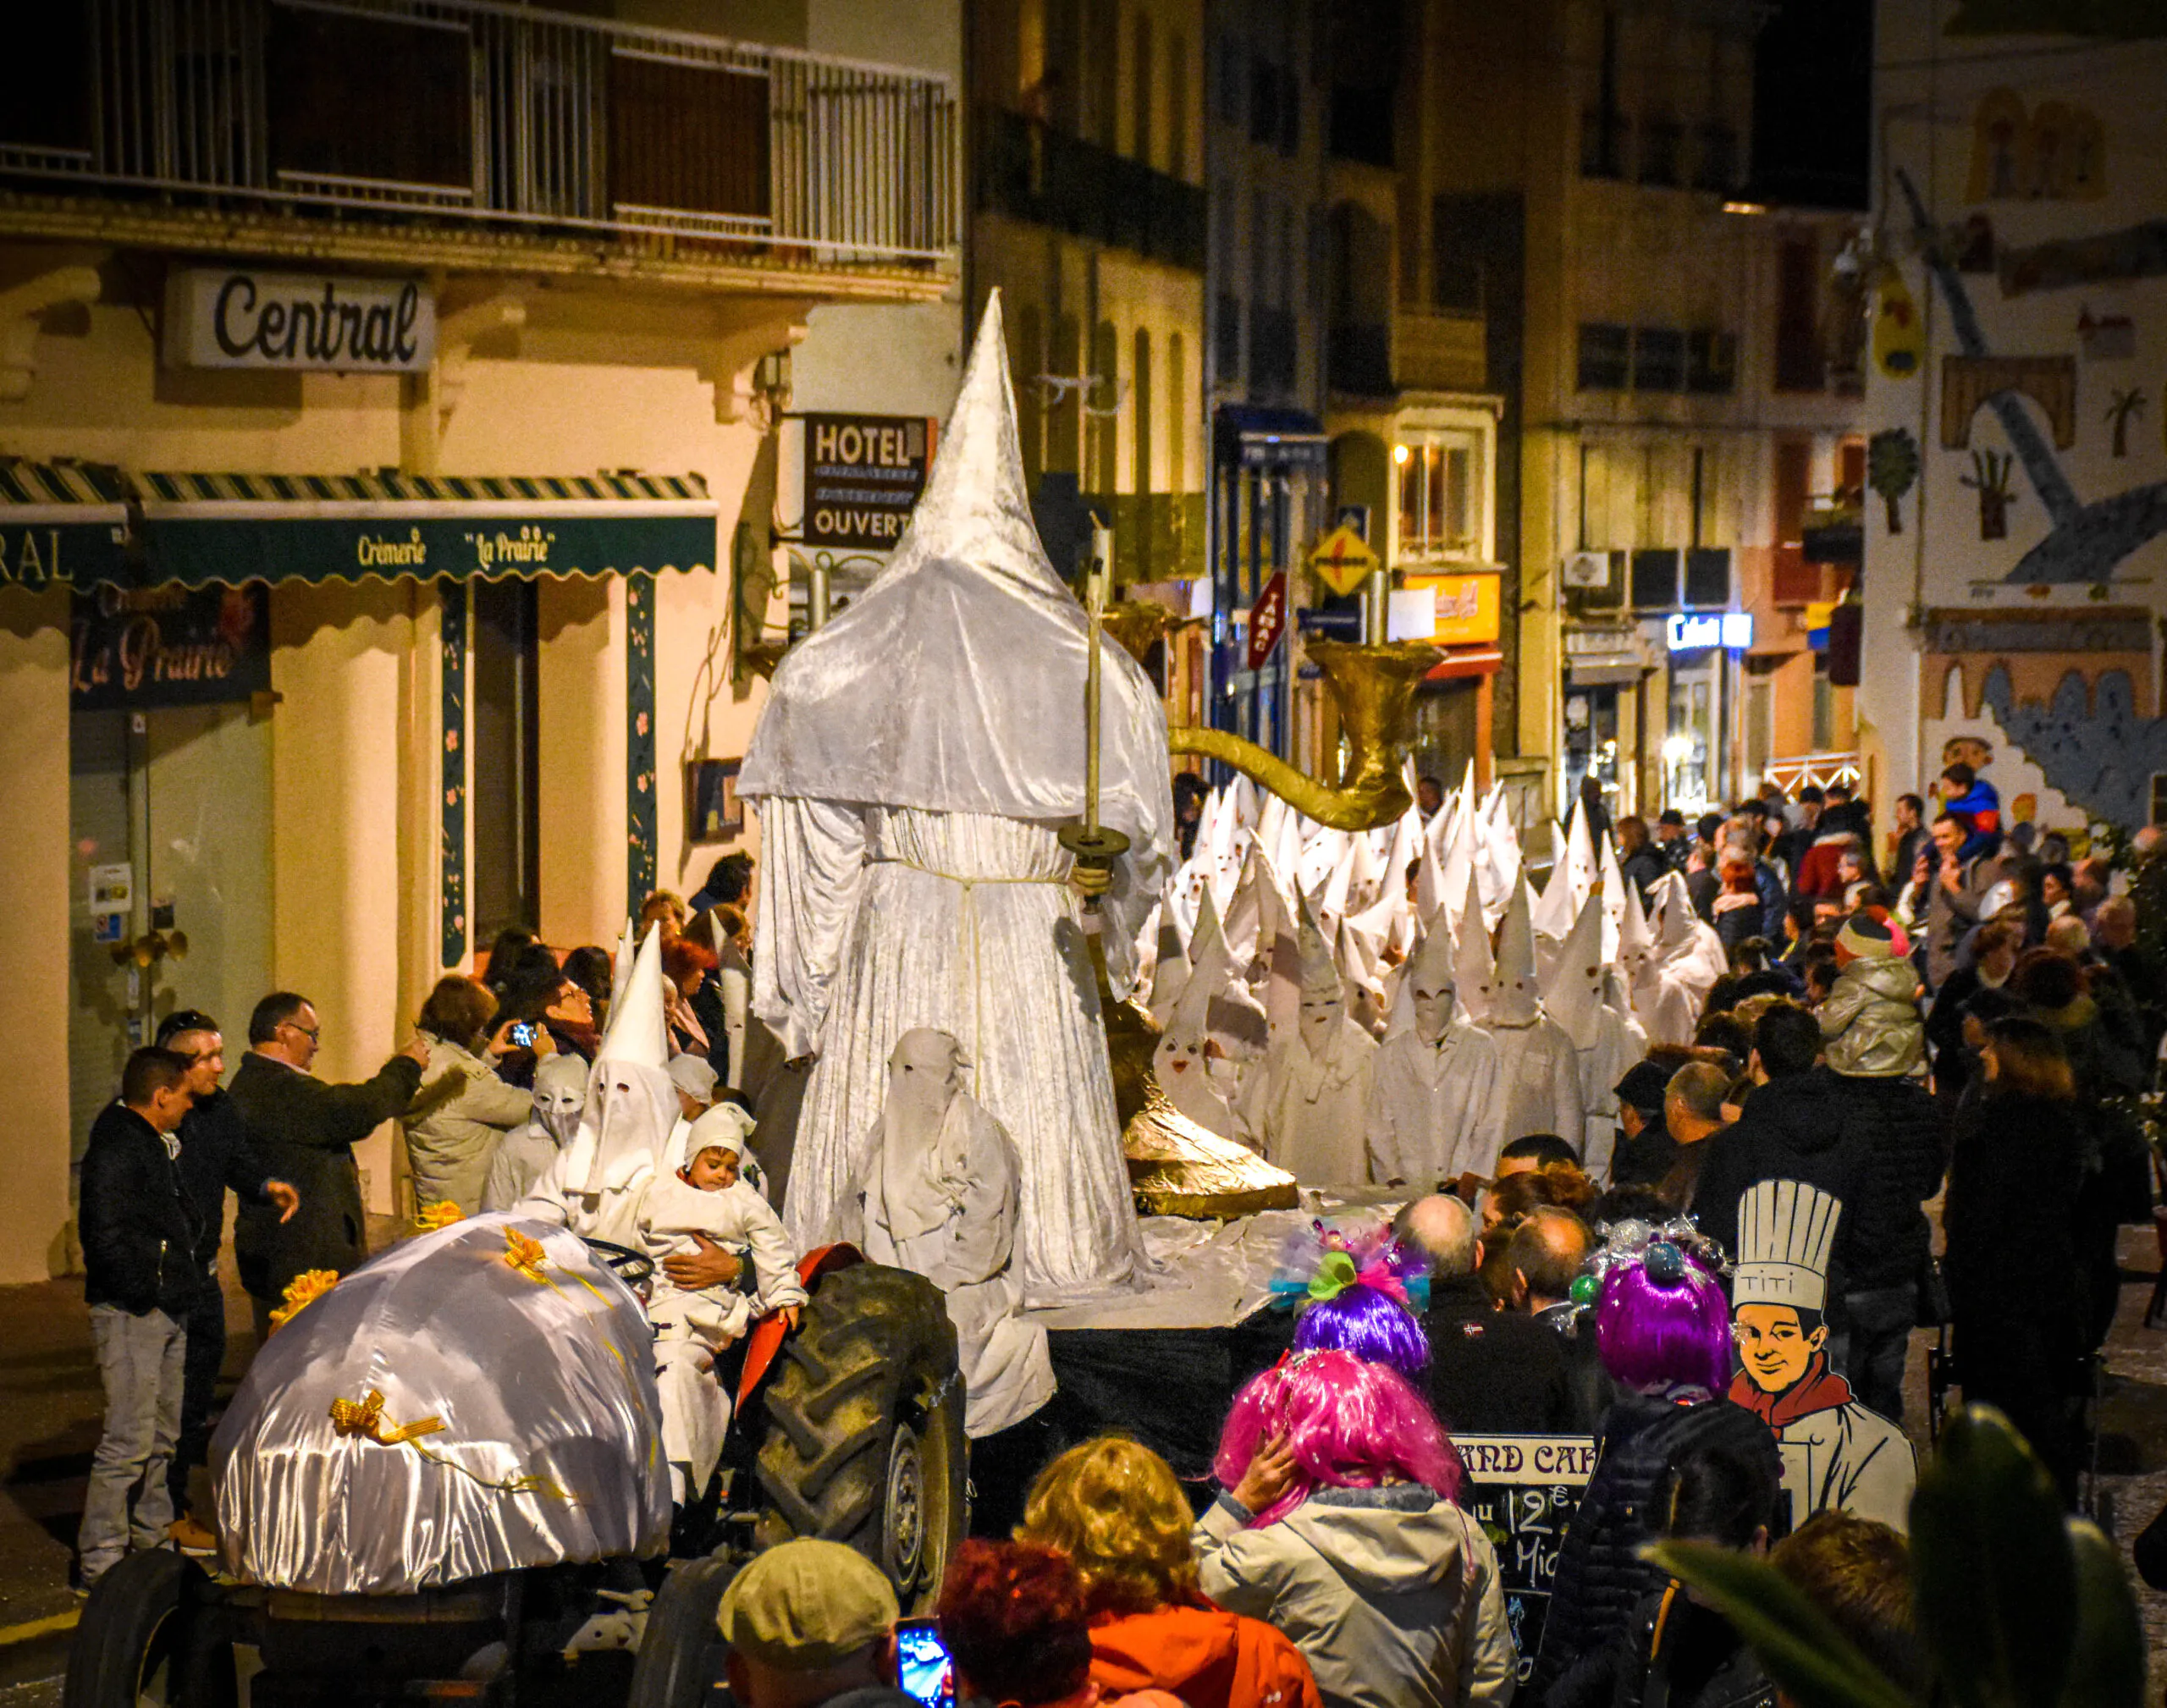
525, 1255
304, 1289
440, 1215
365, 1418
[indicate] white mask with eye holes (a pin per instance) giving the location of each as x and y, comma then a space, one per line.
560, 1096
1321, 1019
924, 1071
1436, 1001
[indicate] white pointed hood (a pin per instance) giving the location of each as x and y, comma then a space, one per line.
1674, 916
620, 971
1319, 970
1518, 1001
631, 1105
954, 682
1636, 941
1579, 854
1473, 973
1171, 971
1555, 908
1214, 1003
1572, 996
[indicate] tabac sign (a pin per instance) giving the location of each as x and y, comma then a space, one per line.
238, 317
864, 473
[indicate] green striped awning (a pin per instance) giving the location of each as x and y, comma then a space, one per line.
60, 522
205, 529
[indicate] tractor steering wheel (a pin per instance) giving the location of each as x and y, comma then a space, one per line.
633, 1268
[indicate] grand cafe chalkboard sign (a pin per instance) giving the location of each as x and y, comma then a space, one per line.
239, 317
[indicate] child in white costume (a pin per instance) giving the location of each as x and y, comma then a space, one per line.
706, 1197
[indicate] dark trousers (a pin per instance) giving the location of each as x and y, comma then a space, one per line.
1870, 1349
206, 1356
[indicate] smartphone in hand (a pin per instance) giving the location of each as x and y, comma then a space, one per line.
924, 1671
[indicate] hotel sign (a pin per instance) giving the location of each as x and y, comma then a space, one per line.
864, 474
238, 317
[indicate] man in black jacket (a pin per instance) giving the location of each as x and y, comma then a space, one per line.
139, 1232
214, 1157
1492, 1372
1873, 1145
305, 1131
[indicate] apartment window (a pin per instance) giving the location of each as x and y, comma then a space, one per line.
1711, 362
1104, 63
1658, 359
1265, 90
506, 712
1227, 339
1800, 365
1437, 515
1606, 357
1653, 573
1602, 127
1707, 576
1142, 94
1662, 144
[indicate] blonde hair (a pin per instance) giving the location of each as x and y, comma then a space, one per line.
1115, 1508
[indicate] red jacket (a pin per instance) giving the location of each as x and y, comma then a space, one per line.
1208, 1657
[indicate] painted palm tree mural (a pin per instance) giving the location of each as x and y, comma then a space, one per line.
2125, 405
2091, 741
2084, 542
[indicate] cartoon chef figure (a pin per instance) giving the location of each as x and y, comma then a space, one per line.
1836, 1453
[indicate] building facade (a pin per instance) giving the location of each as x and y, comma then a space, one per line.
2014, 557
386, 397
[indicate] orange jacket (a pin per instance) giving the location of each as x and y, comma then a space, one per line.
1207, 1657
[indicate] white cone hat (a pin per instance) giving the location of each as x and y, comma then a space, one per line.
1471, 966
1319, 971
620, 971
639, 1030
1519, 1002
1573, 997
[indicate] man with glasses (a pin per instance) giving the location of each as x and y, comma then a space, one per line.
304, 1131
214, 1156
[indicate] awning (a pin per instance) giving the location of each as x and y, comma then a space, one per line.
1460, 662
61, 522
205, 529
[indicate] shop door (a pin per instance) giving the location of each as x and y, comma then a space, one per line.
1444, 731
1591, 742
506, 726
180, 797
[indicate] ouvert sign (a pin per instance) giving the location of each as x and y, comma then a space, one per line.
237, 318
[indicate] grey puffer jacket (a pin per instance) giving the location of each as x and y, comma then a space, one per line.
1391, 1593
1870, 1024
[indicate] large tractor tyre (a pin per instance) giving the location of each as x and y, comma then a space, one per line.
865, 1437
151, 1634
682, 1653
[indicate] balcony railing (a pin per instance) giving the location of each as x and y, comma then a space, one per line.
1031, 171
471, 111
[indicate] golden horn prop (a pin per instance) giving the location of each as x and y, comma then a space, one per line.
1373, 688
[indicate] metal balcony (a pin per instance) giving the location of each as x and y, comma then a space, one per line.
489, 115
1030, 171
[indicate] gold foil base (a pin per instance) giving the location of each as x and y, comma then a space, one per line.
1175, 1166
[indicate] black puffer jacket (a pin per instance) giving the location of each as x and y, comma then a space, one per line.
1874, 1144
138, 1226
1601, 1577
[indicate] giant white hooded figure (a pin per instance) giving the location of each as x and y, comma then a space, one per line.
1437, 1101
1607, 1041
1541, 1068
1309, 1105
914, 762
1214, 1025
1686, 962
595, 1183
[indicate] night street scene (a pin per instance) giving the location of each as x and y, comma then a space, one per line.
1084, 853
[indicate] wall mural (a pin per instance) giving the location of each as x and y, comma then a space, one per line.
1892, 469
641, 832
1989, 478
2090, 742
2126, 405
451, 851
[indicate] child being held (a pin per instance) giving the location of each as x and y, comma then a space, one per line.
706, 1200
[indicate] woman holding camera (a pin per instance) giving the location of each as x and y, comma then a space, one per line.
463, 1109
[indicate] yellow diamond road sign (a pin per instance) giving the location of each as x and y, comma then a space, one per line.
1343, 559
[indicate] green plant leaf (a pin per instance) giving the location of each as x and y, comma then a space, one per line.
1992, 1567
1815, 1663
2107, 1668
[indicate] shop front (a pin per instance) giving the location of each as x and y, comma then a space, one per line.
1701, 748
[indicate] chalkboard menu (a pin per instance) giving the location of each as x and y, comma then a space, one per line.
1523, 1491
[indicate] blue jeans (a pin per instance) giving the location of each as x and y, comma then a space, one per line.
141, 1362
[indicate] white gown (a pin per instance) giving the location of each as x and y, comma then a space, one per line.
1541, 1074
963, 922
1309, 1115
1436, 1112
1619, 1044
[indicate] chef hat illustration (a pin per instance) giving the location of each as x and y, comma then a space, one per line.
1786, 1230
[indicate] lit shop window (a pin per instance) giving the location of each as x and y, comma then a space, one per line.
1438, 514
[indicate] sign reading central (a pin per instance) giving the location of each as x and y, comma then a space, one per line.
221, 317
862, 475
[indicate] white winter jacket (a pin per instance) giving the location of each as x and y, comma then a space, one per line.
1391, 1593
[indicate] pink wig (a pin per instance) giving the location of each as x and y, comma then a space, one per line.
1663, 1324
1368, 1322
1349, 1423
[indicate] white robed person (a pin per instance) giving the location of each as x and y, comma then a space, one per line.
597, 1185
1837, 1455
1211, 1028
1309, 1105
1437, 1100
1606, 1038
1682, 968
938, 1196
1536, 1056
912, 768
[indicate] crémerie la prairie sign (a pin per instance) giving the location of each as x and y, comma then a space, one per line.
862, 475
238, 317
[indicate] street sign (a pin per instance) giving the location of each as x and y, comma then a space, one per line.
1345, 625
1343, 560
1267, 618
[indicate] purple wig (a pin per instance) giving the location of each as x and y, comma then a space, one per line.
1368, 1323
1349, 1423
1665, 1330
